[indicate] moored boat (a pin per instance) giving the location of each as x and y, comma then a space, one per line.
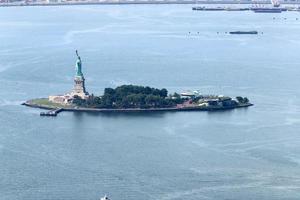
243, 32
105, 198
268, 10
203, 8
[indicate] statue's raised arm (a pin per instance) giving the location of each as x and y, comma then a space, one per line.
77, 54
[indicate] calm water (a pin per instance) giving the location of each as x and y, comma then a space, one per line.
249, 153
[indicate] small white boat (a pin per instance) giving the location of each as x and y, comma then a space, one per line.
105, 198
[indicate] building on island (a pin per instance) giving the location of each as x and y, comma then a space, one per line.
79, 87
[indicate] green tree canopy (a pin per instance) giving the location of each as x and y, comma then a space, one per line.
131, 96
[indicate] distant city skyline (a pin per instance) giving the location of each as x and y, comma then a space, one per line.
24, 2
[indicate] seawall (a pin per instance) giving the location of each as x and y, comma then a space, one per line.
105, 110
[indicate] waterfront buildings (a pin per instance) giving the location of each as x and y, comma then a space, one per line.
66, 2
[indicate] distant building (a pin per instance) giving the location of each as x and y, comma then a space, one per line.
189, 94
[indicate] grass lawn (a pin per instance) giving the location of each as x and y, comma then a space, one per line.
47, 103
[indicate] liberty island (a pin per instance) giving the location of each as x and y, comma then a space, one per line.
247, 153
131, 98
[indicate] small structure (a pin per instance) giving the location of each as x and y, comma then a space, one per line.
189, 94
79, 87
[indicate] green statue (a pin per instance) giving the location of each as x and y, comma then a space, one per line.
78, 65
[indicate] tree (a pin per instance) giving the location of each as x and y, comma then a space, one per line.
130, 96
106, 101
109, 91
77, 100
163, 92
240, 99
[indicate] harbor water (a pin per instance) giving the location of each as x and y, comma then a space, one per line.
251, 153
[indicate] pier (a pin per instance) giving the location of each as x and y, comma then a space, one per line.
51, 113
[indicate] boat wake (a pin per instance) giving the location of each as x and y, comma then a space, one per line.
4, 102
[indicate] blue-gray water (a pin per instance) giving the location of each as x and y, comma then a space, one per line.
249, 153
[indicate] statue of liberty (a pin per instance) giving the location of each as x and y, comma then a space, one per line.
79, 86
78, 66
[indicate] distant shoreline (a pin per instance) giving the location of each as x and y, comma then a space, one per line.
136, 2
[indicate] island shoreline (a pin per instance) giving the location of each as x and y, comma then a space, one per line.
132, 110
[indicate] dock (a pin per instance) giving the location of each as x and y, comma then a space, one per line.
51, 113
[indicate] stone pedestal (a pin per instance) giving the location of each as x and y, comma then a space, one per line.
78, 90
79, 87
